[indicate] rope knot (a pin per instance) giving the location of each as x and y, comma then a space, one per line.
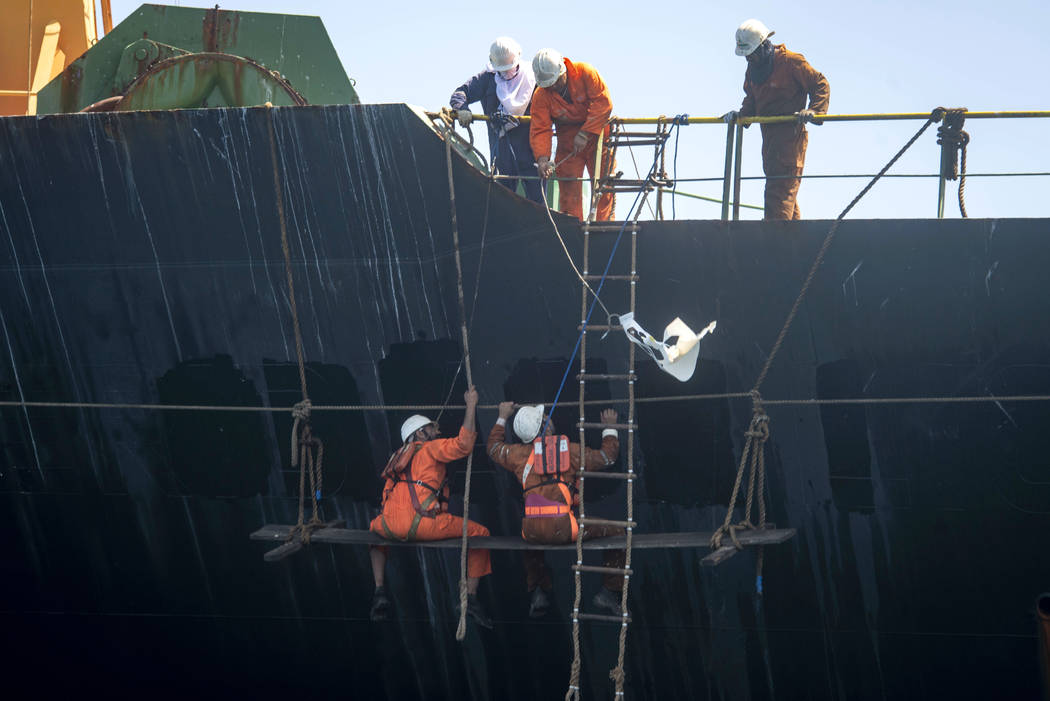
301, 410
617, 675
951, 138
681, 120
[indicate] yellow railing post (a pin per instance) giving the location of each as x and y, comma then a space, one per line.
727, 179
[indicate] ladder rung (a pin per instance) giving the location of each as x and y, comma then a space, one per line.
602, 570
601, 474
600, 327
606, 522
604, 376
621, 143
601, 617
611, 277
598, 424
638, 133
609, 226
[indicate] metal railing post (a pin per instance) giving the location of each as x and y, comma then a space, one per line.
727, 179
596, 175
739, 158
940, 196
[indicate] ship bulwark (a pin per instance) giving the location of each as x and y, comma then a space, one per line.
142, 264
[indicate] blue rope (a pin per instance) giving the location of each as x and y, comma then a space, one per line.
677, 123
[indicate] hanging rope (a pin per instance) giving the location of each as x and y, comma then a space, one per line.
461, 629
952, 139
307, 450
474, 303
752, 458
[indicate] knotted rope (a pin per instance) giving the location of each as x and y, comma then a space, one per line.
952, 139
461, 629
307, 450
752, 459
308, 455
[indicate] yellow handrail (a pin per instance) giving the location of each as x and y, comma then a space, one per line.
871, 117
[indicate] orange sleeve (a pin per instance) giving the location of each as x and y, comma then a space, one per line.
541, 130
448, 449
599, 107
596, 459
747, 107
509, 457
815, 85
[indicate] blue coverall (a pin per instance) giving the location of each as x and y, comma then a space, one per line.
511, 153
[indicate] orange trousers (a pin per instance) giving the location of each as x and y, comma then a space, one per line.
783, 157
570, 193
443, 525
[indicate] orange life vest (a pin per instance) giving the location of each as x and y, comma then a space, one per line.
549, 456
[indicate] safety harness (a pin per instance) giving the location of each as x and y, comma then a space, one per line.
399, 470
549, 456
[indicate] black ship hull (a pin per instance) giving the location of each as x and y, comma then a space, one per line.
142, 264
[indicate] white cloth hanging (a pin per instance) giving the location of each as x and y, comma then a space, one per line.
677, 354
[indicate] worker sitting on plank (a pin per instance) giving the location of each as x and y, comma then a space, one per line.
546, 467
415, 502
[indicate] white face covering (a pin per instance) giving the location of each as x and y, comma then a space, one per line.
514, 93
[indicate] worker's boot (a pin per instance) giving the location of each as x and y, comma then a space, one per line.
608, 600
476, 611
380, 606
540, 603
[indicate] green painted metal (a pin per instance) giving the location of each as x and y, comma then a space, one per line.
296, 47
201, 80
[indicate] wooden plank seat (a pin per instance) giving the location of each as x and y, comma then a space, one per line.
343, 536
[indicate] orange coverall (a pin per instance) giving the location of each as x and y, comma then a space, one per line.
556, 531
784, 145
428, 465
586, 106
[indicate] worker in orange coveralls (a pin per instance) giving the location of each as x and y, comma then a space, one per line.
546, 466
415, 502
572, 98
779, 82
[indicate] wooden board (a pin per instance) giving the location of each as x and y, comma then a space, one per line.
344, 536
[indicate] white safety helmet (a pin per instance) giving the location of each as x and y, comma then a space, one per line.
548, 65
750, 35
504, 54
412, 424
527, 422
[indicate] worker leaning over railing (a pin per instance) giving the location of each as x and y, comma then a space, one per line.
504, 90
572, 98
778, 82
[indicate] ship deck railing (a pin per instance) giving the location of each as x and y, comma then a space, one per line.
733, 177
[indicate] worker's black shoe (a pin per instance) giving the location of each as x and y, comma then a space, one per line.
475, 611
608, 600
380, 606
540, 604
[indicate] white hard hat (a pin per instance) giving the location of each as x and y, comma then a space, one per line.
548, 65
504, 54
527, 422
412, 424
749, 35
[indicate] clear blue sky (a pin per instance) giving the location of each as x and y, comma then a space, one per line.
677, 57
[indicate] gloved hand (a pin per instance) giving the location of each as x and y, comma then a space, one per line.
464, 117
545, 167
805, 116
730, 116
580, 141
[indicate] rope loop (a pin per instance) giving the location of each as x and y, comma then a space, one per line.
301, 410
951, 138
